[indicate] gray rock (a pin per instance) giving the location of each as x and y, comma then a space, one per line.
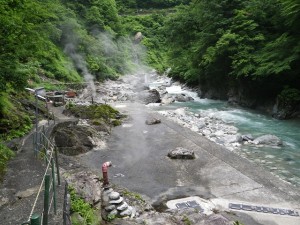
181, 153
118, 201
72, 139
113, 213
122, 207
150, 96
107, 191
110, 208
215, 219
267, 139
87, 186
247, 137
153, 121
183, 98
114, 195
232, 138
167, 99
201, 124
127, 212
138, 37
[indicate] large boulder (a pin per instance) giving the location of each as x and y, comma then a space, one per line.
150, 96
267, 139
72, 139
183, 98
232, 138
138, 37
86, 185
167, 99
152, 121
181, 153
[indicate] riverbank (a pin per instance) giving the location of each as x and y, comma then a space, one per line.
139, 154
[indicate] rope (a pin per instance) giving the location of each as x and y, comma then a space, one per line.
40, 189
49, 141
50, 204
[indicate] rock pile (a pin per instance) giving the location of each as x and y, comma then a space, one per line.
217, 130
114, 205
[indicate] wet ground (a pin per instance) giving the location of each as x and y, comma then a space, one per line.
139, 154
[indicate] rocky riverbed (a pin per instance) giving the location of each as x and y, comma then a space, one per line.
156, 91
160, 92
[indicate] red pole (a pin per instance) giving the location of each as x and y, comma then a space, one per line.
104, 172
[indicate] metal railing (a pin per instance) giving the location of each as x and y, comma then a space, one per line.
51, 178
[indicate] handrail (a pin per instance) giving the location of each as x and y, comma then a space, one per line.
51, 157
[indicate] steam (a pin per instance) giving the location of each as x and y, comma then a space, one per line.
81, 65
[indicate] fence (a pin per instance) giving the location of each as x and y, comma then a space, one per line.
45, 148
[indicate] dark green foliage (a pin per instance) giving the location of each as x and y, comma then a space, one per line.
134, 6
289, 96
5, 155
151, 27
222, 43
84, 209
14, 119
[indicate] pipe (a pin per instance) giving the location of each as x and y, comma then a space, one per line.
104, 172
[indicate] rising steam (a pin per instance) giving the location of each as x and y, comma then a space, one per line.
81, 65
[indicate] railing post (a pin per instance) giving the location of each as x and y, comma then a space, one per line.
44, 136
57, 165
35, 219
36, 124
53, 185
46, 199
66, 207
45, 144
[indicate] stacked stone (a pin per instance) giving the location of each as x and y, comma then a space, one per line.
115, 205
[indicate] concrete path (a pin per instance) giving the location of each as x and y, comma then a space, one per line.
138, 152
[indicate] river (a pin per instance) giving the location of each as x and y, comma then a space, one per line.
282, 161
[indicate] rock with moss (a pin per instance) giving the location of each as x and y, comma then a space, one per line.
72, 138
97, 113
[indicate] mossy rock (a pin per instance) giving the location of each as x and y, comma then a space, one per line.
97, 113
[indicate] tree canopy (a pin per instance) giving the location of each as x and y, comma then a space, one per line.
216, 41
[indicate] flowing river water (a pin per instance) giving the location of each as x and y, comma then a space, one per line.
283, 161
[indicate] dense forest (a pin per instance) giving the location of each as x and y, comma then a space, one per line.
239, 45
243, 49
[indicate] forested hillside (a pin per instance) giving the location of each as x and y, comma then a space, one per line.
247, 49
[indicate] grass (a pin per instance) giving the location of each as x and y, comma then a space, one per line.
133, 195
84, 209
5, 155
